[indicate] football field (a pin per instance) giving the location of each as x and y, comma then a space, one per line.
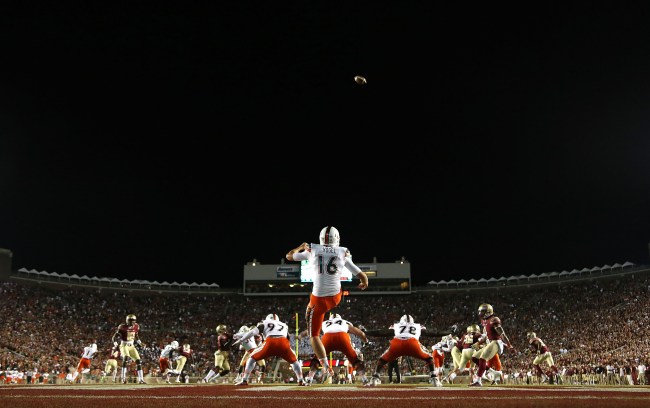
340, 396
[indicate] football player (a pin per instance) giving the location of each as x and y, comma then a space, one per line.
84, 364
495, 337
463, 351
406, 342
128, 336
331, 259
164, 361
276, 343
542, 355
221, 356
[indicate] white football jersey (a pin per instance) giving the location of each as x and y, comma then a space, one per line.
329, 262
332, 325
405, 331
449, 345
166, 352
249, 343
89, 351
246, 344
439, 347
273, 328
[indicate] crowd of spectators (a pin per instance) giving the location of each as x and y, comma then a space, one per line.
590, 326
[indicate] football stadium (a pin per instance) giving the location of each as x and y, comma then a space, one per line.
593, 321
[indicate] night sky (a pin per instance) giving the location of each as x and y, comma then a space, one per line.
172, 141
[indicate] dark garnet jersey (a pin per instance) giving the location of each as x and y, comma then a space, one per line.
489, 326
468, 339
224, 342
128, 333
537, 344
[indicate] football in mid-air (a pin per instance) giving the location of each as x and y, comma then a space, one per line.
360, 80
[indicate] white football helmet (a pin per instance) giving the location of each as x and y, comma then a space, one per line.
329, 236
174, 344
406, 319
335, 316
244, 329
272, 316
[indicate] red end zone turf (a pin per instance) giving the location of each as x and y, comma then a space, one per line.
280, 396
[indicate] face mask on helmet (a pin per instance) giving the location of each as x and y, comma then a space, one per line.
130, 319
531, 335
186, 348
272, 316
221, 328
406, 319
244, 329
473, 328
485, 310
174, 344
329, 236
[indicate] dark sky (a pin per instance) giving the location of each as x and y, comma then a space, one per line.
173, 141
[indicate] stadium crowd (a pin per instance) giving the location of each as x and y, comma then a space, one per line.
597, 330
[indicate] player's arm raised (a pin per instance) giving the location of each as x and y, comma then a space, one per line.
302, 247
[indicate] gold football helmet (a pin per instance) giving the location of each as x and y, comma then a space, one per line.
473, 328
130, 319
485, 310
221, 328
531, 335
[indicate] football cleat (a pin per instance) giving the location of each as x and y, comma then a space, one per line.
476, 384
242, 382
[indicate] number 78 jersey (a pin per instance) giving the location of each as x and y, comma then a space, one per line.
405, 331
